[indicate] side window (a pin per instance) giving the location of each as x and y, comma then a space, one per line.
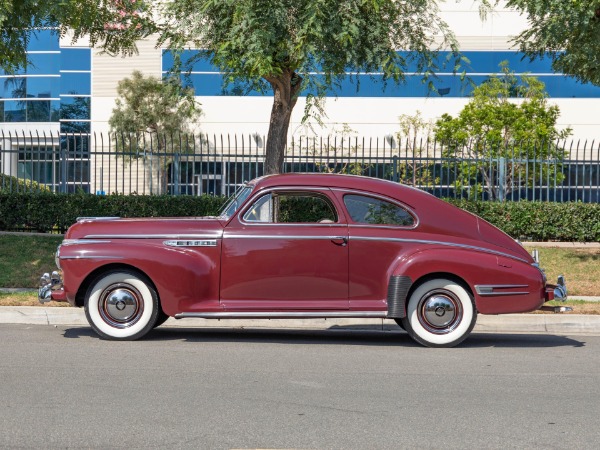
374, 211
292, 207
261, 210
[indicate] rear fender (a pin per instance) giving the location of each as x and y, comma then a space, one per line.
478, 271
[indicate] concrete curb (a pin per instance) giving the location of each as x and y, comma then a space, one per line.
507, 323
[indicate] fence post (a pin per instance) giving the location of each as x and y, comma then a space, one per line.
501, 179
175, 174
395, 176
64, 149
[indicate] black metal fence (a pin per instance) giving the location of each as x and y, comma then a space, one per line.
194, 165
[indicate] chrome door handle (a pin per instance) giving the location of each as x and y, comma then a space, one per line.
340, 240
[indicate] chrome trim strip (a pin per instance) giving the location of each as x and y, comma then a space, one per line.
490, 289
84, 241
92, 257
275, 236
447, 244
152, 236
185, 243
283, 315
80, 219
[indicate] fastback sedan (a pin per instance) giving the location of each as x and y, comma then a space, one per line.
301, 246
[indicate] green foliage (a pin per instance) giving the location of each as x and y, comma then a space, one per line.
154, 117
13, 184
303, 209
148, 108
280, 45
567, 31
491, 126
113, 25
47, 212
540, 221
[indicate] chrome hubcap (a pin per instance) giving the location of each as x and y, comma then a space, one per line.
439, 311
121, 305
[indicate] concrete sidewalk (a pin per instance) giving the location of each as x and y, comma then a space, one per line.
506, 323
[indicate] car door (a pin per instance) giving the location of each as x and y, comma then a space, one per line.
287, 250
378, 229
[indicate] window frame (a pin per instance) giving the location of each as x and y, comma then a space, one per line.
319, 192
394, 202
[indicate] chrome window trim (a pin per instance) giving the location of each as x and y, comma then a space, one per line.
489, 289
283, 315
296, 224
321, 190
396, 202
152, 236
429, 242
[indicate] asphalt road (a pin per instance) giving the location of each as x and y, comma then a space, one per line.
62, 387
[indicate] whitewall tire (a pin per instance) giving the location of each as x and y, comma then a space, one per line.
440, 313
121, 305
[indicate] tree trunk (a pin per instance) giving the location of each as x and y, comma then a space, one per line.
285, 94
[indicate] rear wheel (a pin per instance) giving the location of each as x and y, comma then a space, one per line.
121, 305
440, 313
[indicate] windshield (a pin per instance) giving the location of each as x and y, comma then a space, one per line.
238, 198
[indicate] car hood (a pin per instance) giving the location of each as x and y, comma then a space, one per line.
164, 227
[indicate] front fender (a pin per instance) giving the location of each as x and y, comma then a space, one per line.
182, 276
499, 284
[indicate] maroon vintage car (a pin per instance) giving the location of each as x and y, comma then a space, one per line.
301, 246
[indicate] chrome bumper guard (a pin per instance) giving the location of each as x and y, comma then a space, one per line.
49, 283
558, 292
560, 289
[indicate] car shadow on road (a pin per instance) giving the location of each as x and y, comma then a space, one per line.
335, 336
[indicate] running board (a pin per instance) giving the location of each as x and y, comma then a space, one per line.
284, 315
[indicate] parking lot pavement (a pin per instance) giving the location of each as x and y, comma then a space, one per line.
513, 323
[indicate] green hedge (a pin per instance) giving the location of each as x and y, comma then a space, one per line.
540, 221
47, 212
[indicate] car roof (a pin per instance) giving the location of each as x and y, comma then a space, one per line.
334, 180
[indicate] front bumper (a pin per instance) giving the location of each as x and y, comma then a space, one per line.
51, 288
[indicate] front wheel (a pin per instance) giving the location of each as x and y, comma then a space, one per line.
121, 305
440, 313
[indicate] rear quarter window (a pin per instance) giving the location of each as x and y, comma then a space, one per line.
375, 211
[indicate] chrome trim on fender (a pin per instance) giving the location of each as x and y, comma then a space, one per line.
491, 289
447, 244
283, 315
91, 257
84, 241
184, 243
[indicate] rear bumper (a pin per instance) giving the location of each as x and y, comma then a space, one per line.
556, 291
